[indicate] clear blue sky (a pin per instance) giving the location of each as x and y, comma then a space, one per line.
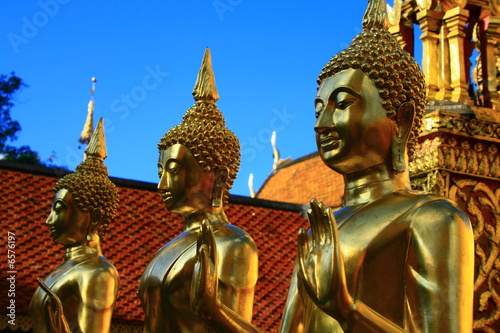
146, 54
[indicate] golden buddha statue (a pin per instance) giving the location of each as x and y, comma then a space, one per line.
197, 165
79, 295
391, 259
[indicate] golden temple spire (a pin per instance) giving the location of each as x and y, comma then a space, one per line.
97, 145
88, 128
376, 15
204, 88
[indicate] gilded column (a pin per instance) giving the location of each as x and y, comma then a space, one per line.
444, 68
492, 24
456, 20
430, 22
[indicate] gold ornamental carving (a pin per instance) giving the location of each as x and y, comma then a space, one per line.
466, 125
482, 205
477, 158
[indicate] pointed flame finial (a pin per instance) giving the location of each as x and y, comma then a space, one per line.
97, 145
88, 128
204, 88
376, 15
276, 153
250, 186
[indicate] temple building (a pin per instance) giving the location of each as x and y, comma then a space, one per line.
458, 157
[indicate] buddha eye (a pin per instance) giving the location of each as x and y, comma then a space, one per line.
160, 171
343, 100
58, 206
173, 171
342, 105
173, 167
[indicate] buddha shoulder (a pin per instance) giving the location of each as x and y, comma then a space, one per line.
97, 266
435, 213
233, 237
98, 272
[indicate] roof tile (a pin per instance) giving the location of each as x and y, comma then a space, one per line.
301, 180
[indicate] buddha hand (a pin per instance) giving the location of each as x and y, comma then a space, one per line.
204, 286
321, 263
55, 311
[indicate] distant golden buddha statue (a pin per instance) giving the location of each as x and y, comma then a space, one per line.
198, 163
79, 295
391, 259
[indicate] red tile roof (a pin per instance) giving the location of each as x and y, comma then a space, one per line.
142, 225
300, 180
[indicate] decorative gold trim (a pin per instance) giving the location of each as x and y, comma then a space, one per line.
441, 121
472, 157
482, 204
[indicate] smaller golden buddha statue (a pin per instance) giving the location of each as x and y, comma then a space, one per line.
198, 162
391, 259
79, 295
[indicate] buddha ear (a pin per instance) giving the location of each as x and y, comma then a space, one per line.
220, 182
404, 124
95, 220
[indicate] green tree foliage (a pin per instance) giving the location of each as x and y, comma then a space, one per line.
9, 128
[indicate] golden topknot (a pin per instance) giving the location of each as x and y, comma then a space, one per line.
204, 133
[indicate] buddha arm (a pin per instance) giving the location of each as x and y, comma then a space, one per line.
364, 319
226, 320
98, 292
440, 268
438, 279
55, 312
238, 272
293, 317
438, 275
205, 297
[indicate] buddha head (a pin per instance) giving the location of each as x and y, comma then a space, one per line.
86, 200
200, 157
370, 100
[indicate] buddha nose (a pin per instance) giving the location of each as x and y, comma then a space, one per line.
50, 219
162, 183
324, 123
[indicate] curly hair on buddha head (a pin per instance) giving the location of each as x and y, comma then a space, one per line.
204, 133
394, 72
91, 188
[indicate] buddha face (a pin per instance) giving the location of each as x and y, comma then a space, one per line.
184, 186
353, 131
68, 224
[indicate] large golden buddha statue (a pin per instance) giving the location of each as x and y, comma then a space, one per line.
79, 295
198, 163
391, 259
